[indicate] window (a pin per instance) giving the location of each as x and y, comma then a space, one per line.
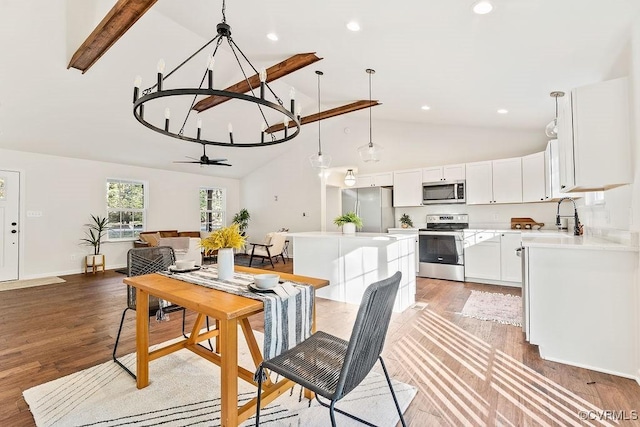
2, 196
126, 208
212, 208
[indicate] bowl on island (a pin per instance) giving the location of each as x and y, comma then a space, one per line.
266, 281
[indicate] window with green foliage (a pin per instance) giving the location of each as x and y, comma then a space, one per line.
212, 208
126, 208
2, 196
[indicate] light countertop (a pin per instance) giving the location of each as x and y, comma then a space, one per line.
358, 235
569, 241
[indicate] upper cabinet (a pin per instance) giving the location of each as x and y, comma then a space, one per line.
407, 188
594, 137
384, 179
534, 180
497, 181
443, 173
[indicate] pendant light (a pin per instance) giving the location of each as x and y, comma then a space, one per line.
552, 128
370, 152
320, 160
349, 178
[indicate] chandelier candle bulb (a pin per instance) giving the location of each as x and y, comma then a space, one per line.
136, 87
167, 116
160, 71
230, 128
263, 128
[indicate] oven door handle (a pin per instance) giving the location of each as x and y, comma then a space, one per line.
442, 233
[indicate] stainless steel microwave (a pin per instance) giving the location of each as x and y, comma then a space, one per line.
443, 192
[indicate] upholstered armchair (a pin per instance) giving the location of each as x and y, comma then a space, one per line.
271, 247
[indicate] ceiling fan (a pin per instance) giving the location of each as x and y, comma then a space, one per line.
205, 160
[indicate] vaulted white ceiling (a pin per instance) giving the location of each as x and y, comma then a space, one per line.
425, 52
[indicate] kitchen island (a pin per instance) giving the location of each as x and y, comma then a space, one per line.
581, 301
353, 262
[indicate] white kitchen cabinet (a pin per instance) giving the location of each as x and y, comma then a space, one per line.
497, 181
534, 181
594, 137
490, 257
482, 256
510, 264
407, 188
443, 173
384, 179
582, 306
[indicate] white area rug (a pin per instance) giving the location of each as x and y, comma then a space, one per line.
501, 308
19, 284
184, 391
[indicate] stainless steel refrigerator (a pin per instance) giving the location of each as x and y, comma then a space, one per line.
373, 204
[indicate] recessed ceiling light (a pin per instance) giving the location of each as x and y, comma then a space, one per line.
272, 37
426, 107
353, 26
502, 111
482, 7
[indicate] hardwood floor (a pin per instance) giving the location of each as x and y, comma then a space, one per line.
467, 371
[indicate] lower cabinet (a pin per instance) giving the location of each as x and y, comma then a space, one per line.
490, 257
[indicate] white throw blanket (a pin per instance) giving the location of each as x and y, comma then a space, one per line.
287, 315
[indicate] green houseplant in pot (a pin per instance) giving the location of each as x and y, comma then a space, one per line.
349, 222
405, 221
94, 234
242, 218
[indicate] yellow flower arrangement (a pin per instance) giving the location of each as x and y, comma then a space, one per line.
225, 237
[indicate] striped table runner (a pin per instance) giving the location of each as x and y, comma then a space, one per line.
287, 321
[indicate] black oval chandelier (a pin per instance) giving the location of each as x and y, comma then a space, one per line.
158, 91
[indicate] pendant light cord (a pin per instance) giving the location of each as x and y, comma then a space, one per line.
370, 71
319, 73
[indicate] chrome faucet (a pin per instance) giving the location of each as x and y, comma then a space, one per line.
577, 228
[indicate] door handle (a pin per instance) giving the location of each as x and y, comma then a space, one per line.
13, 224
14, 231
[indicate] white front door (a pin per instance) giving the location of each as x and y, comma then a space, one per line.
9, 202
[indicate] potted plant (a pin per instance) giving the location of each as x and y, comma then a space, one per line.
405, 221
96, 231
224, 240
349, 222
242, 219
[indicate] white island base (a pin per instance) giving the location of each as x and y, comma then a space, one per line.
353, 262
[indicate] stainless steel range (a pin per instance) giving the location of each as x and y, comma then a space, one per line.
441, 247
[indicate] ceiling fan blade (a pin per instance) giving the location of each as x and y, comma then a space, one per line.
195, 161
218, 164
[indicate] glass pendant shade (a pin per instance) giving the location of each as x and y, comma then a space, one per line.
350, 178
321, 161
552, 129
370, 153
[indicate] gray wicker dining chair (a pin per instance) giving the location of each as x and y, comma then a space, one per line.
145, 261
332, 367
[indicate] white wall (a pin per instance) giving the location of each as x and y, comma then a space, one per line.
68, 190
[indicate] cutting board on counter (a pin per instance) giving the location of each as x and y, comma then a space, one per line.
525, 224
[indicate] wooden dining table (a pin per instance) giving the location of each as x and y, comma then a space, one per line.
229, 311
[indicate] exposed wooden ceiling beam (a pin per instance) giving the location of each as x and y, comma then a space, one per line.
274, 72
120, 18
338, 111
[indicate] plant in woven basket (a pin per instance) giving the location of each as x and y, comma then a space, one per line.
226, 237
406, 221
